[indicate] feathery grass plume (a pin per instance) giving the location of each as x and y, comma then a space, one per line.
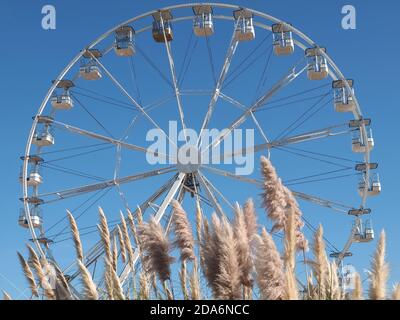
292, 292
117, 287
183, 280
6, 296
122, 245
250, 218
89, 287
62, 289
108, 281
243, 248
75, 236
333, 291
269, 267
199, 221
396, 292
105, 234
155, 249
311, 293
274, 199
41, 266
210, 244
155, 287
227, 281
379, 271
144, 290
127, 242
139, 215
133, 228
167, 291
28, 275
195, 291
320, 263
114, 261
357, 293
301, 241
183, 232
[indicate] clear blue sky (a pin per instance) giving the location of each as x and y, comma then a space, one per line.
31, 57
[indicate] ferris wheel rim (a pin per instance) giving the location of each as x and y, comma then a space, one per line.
334, 73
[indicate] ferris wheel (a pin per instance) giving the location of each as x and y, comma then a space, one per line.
88, 138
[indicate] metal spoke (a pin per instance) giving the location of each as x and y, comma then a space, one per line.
174, 79
261, 101
218, 192
224, 71
136, 104
97, 250
161, 211
63, 194
304, 137
209, 194
336, 206
107, 139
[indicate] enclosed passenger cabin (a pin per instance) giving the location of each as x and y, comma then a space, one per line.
90, 69
203, 23
244, 27
43, 138
374, 185
358, 144
282, 39
162, 28
35, 216
317, 65
34, 178
61, 98
124, 41
343, 98
365, 233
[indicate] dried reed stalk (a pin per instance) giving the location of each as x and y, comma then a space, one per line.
243, 248
269, 267
320, 263
291, 292
183, 280
28, 275
122, 245
357, 293
183, 232
105, 234
155, 248
75, 236
144, 291
6, 296
396, 292
89, 287
379, 271
273, 196
195, 291
250, 218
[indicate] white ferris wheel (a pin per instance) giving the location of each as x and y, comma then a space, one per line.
201, 65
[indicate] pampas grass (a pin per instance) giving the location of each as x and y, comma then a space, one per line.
195, 291
250, 219
273, 196
269, 266
75, 236
122, 245
105, 234
357, 293
289, 255
156, 249
379, 272
320, 262
89, 287
245, 261
396, 292
28, 275
6, 296
183, 232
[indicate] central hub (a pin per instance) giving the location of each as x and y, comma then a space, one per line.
188, 159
